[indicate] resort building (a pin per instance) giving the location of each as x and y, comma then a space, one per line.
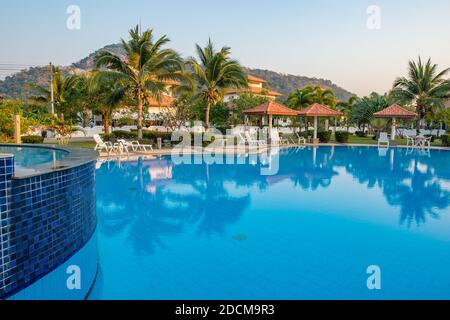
256, 86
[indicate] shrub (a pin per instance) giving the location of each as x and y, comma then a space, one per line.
445, 140
324, 136
122, 134
342, 136
33, 139
433, 137
361, 134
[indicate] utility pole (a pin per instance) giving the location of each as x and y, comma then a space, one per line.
52, 99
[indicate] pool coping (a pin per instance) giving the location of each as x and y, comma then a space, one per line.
76, 157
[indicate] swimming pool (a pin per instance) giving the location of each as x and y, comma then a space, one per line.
27, 157
171, 231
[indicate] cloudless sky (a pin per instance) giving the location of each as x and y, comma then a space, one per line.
322, 38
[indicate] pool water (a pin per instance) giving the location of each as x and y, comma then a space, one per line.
27, 157
183, 231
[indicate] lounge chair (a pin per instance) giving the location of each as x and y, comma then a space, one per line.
254, 142
242, 139
301, 140
277, 139
383, 139
410, 142
135, 145
106, 146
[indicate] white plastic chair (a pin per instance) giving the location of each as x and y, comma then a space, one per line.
106, 146
135, 145
383, 139
254, 142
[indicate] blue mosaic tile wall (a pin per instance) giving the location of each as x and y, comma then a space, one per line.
45, 220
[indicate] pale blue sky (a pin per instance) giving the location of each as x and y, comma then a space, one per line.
322, 38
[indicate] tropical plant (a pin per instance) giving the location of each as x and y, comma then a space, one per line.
425, 88
214, 74
346, 107
63, 131
61, 89
146, 69
308, 95
301, 98
363, 110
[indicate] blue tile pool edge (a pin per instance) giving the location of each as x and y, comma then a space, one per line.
53, 285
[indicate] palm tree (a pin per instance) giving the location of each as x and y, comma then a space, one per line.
106, 95
301, 98
346, 108
146, 68
61, 88
214, 74
425, 88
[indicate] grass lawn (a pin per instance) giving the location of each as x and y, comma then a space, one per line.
81, 144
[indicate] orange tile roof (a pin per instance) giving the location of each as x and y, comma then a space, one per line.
318, 110
166, 101
271, 108
395, 111
256, 79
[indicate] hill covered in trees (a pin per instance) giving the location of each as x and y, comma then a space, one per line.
15, 86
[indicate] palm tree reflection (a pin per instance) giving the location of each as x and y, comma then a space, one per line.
156, 199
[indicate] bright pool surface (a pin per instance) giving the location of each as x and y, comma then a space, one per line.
226, 232
27, 157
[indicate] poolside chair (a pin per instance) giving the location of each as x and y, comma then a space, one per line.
135, 145
410, 142
106, 146
252, 141
277, 139
301, 140
383, 139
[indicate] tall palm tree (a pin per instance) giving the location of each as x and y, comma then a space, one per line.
106, 95
146, 68
346, 108
425, 88
61, 88
214, 74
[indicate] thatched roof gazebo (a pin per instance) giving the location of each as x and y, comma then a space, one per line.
395, 112
317, 110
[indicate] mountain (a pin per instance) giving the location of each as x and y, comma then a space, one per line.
15, 86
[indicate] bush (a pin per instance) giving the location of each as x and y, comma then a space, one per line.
342, 136
433, 137
324, 136
33, 139
121, 134
361, 134
445, 140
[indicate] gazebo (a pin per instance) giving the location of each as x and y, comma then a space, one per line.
269, 110
395, 111
317, 110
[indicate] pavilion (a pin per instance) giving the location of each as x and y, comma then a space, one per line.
395, 111
317, 110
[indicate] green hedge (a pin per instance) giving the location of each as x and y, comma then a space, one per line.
361, 134
324, 136
122, 134
445, 140
342, 136
33, 139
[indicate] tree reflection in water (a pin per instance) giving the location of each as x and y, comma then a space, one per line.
158, 199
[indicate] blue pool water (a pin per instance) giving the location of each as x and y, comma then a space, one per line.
27, 157
184, 231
